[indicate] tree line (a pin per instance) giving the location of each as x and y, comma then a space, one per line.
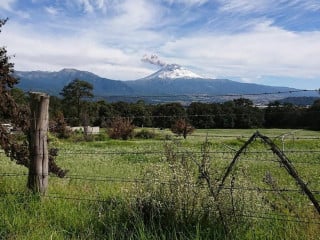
76, 106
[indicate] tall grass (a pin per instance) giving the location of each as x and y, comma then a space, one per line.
170, 200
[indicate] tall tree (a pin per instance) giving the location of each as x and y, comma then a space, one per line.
203, 115
18, 115
167, 114
312, 117
74, 95
7, 81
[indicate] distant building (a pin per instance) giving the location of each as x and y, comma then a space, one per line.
90, 130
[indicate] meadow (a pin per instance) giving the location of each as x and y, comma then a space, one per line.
152, 188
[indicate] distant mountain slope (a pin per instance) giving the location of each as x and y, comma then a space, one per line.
199, 86
53, 82
299, 101
172, 81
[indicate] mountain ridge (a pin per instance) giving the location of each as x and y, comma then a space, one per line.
169, 81
53, 82
173, 71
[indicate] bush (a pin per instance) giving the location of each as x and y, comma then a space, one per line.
182, 127
58, 126
179, 204
121, 128
145, 134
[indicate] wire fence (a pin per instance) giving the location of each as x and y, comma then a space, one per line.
152, 180
225, 154
236, 95
249, 214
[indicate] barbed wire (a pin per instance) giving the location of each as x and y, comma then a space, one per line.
161, 154
256, 215
182, 115
186, 115
194, 95
157, 181
65, 151
187, 95
206, 95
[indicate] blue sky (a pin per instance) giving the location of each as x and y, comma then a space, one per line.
272, 42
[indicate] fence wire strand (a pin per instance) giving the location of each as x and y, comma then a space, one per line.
255, 215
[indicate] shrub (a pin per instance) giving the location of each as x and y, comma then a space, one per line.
58, 126
178, 200
121, 128
145, 134
182, 127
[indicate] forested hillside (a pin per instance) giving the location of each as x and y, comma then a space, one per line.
84, 109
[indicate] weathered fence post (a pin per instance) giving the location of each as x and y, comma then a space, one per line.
39, 168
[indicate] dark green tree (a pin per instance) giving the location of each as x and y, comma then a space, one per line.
165, 115
247, 115
228, 114
105, 114
19, 96
122, 109
7, 81
74, 96
12, 107
140, 114
55, 107
202, 115
312, 118
286, 115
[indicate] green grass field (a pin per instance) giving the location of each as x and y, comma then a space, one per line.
151, 189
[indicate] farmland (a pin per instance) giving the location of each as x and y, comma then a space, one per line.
153, 189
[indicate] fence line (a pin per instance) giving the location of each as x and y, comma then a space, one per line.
161, 153
208, 95
80, 152
91, 178
143, 180
261, 215
130, 115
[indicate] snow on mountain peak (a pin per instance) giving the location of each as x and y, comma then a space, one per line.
173, 71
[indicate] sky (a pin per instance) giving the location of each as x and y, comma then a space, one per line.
271, 42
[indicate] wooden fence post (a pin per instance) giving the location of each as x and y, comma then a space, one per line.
39, 168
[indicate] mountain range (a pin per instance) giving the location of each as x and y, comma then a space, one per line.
171, 83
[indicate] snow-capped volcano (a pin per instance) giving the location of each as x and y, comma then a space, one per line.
173, 71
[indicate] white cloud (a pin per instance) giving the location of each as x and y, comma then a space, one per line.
89, 6
188, 2
265, 50
244, 6
267, 6
35, 51
101, 5
51, 10
112, 46
136, 14
7, 4
312, 5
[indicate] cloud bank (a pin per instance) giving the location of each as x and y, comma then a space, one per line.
236, 39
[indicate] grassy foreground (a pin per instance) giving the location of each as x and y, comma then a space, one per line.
152, 189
